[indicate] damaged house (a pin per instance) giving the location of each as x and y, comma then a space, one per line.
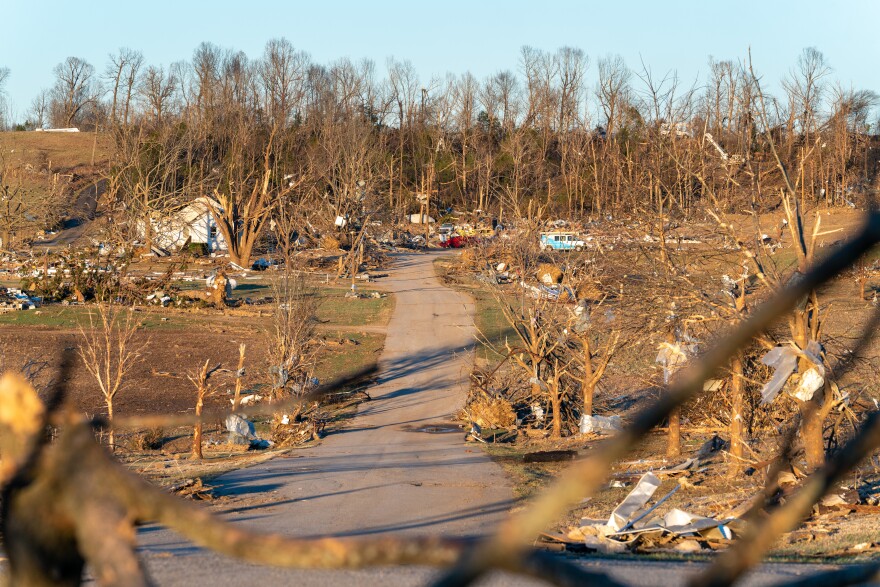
193, 224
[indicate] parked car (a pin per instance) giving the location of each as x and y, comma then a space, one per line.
561, 241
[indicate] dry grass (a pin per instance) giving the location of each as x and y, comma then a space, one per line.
42, 155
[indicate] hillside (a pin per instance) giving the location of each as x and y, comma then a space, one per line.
41, 158
53, 177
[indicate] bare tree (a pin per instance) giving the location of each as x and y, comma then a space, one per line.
157, 90
40, 111
120, 74
612, 89
25, 210
283, 75
806, 87
250, 184
204, 389
539, 350
597, 348
207, 63
73, 90
292, 347
109, 352
239, 376
4, 76
155, 175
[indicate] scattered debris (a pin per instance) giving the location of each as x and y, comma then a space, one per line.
600, 424
248, 399
672, 356
633, 527
12, 299
193, 489
636, 499
292, 431
784, 361
353, 294
241, 432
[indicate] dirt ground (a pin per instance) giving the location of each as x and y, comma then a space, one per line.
707, 490
45, 154
158, 384
176, 342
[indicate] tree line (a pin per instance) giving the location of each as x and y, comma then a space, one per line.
563, 135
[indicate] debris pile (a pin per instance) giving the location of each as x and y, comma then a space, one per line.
241, 432
292, 431
353, 294
490, 413
549, 274
633, 526
12, 299
193, 489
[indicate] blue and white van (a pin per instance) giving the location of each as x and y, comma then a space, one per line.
561, 241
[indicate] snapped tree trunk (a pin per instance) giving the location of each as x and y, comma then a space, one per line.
736, 416
197, 430
812, 430
673, 440
238, 375
588, 385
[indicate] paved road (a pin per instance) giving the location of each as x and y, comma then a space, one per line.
383, 475
390, 471
82, 213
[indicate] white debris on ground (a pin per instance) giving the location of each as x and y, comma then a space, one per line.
634, 525
600, 424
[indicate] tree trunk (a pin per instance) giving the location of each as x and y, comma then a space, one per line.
556, 406
812, 432
237, 398
589, 390
197, 430
673, 442
588, 385
111, 438
736, 416
148, 235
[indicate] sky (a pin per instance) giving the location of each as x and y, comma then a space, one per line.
482, 36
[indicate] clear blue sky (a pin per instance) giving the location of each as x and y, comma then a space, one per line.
483, 36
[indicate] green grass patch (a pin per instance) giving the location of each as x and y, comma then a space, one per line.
492, 327
349, 357
72, 317
336, 309
48, 317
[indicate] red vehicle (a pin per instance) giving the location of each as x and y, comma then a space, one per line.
456, 241
453, 241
